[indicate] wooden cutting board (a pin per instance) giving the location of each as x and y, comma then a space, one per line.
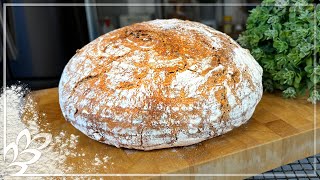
280, 131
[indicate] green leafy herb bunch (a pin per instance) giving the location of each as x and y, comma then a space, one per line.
284, 37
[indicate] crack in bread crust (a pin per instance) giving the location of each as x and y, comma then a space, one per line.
90, 77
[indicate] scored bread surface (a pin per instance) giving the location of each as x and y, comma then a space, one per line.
160, 84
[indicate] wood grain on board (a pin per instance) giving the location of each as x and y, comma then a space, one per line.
280, 131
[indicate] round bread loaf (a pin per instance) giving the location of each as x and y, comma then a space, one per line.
160, 84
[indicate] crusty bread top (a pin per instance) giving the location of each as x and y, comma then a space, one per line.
163, 74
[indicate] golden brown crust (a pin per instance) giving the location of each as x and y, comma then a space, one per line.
159, 84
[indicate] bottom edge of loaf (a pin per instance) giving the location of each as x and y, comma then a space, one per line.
180, 143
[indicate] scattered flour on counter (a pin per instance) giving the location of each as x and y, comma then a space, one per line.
67, 145
51, 160
98, 161
106, 159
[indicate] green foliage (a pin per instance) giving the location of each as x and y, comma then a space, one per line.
284, 37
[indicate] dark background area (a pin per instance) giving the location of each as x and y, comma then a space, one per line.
44, 39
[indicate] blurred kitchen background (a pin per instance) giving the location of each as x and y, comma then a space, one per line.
41, 40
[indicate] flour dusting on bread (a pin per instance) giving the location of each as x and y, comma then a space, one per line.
160, 84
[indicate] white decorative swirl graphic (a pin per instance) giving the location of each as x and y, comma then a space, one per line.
35, 152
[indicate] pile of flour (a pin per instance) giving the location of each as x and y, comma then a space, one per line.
22, 116
51, 160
